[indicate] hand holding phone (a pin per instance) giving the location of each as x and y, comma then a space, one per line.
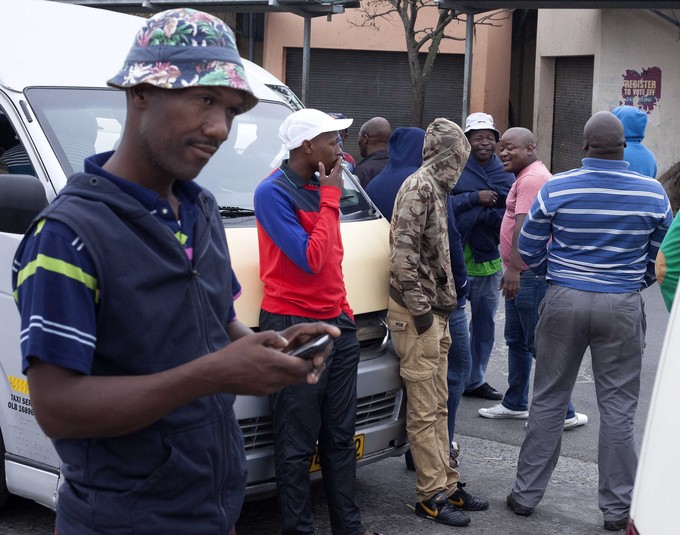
315, 346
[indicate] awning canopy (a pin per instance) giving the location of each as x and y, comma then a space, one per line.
304, 8
479, 6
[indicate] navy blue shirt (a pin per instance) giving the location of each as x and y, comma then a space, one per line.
56, 283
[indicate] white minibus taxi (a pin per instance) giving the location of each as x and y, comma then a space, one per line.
54, 101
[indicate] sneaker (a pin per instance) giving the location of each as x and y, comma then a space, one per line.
440, 510
466, 501
454, 454
499, 411
485, 391
616, 525
518, 508
576, 421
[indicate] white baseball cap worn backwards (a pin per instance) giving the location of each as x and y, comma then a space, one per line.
306, 125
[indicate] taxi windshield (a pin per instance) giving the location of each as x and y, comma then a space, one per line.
81, 122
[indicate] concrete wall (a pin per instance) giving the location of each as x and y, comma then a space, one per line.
640, 41
490, 82
626, 44
491, 60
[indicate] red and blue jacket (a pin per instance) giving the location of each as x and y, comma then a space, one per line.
298, 225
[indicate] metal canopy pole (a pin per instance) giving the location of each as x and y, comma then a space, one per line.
305, 58
251, 37
467, 69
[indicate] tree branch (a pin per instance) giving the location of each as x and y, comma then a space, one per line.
418, 38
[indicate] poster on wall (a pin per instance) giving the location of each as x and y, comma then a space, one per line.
643, 90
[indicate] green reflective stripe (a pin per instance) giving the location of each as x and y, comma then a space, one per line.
181, 237
39, 226
57, 266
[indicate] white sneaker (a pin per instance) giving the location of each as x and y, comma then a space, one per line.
499, 411
576, 421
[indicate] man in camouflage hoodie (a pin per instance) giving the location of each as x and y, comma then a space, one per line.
422, 295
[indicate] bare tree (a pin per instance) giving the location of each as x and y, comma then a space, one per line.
420, 39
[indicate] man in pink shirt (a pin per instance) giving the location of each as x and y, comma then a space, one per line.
523, 289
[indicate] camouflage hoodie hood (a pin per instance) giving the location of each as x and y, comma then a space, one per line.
445, 152
420, 264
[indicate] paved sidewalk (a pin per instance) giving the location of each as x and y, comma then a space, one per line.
385, 494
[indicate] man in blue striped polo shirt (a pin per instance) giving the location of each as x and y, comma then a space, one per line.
596, 230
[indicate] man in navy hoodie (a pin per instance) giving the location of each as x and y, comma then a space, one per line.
479, 205
405, 149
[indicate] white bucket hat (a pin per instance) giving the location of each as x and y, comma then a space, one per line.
481, 121
306, 124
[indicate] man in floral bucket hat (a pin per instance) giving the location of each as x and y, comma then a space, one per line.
183, 48
130, 343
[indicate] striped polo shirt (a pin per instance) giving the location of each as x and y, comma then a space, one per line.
55, 281
606, 225
17, 161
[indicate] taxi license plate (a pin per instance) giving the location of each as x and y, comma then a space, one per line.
315, 464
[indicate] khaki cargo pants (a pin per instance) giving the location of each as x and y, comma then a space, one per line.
423, 367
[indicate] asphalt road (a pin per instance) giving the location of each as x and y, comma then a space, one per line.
489, 451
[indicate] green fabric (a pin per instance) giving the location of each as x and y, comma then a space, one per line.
482, 269
670, 247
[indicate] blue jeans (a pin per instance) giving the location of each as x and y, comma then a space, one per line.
460, 361
521, 317
484, 296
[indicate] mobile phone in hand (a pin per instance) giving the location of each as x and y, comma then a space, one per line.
313, 347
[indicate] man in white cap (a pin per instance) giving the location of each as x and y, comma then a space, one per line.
298, 223
130, 343
478, 202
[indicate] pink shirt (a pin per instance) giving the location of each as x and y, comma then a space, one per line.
521, 196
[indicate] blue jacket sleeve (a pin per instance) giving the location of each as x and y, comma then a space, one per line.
462, 202
274, 210
655, 241
535, 235
457, 258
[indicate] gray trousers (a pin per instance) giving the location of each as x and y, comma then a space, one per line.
613, 325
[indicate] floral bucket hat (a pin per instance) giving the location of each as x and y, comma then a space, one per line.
181, 48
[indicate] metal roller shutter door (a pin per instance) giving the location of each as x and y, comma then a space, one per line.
364, 84
573, 107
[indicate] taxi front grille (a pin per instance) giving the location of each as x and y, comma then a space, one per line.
257, 432
377, 408
371, 410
